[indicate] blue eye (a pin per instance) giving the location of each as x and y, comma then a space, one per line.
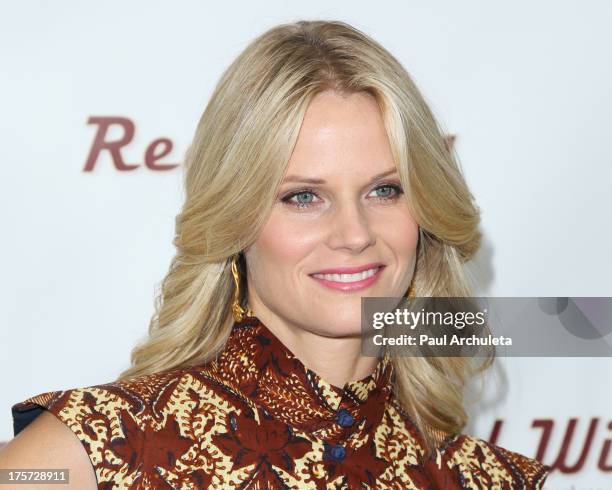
390, 192
303, 201
304, 197
387, 187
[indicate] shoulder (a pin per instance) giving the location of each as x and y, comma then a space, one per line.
488, 465
140, 397
87, 409
116, 421
109, 420
48, 443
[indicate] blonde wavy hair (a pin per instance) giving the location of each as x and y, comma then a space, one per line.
233, 170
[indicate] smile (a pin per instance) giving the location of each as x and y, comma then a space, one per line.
349, 282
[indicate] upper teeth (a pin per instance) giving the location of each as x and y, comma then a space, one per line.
358, 276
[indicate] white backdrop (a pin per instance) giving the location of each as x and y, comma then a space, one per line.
525, 87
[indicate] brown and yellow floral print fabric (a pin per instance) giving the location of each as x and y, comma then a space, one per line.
257, 418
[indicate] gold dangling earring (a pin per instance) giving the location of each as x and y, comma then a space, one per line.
237, 310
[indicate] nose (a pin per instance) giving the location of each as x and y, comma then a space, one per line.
351, 228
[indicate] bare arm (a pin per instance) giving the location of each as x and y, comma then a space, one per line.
48, 443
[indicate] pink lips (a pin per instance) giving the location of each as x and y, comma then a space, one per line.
350, 286
349, 270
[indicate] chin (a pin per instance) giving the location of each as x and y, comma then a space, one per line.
338, 325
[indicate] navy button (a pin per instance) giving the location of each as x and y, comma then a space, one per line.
337, 453
344, 418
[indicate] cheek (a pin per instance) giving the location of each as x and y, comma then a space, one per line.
402, 235
283, 242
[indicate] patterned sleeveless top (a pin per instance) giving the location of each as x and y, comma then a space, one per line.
256, 418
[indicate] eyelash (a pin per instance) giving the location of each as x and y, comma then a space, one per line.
287, 199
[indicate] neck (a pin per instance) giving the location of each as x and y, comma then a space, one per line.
337, 360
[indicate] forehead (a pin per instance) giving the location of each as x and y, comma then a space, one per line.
341, 135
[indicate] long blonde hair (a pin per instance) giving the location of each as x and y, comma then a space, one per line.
233, 169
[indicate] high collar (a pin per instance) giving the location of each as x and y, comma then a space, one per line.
262, 369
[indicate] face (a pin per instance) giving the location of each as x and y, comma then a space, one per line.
341, 205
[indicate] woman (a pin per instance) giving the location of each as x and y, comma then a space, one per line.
317, 175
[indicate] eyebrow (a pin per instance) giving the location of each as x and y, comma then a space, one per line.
298, 178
